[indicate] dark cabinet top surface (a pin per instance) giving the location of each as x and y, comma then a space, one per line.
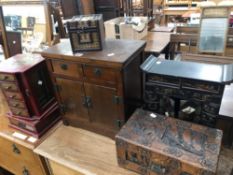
20, 63
190, 70
116, 52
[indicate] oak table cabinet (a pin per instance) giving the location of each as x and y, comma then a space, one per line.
98, 90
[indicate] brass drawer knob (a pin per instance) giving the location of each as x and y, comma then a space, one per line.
97, 71
18, 113
8, 87
64, 66
15, 105
25, 171
12, 96
15, 149
5, 77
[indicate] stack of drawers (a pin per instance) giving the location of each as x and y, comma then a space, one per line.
26, 85
14, 97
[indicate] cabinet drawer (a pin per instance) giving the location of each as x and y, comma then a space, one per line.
7, 77
18, 159
67, 68
19, 112
9, 86
13, 95
17, 104
100, 74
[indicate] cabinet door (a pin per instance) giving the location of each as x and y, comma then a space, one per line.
102, 109
72, 97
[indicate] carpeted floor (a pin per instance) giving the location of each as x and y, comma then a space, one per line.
225, 164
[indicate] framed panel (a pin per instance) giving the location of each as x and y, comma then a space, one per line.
213, 30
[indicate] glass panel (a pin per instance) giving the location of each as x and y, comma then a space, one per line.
213, 35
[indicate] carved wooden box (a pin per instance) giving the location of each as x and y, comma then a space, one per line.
86, 32
154, 144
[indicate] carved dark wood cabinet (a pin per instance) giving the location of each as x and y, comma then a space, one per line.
28, 89
186, 90
154, 144
98, 90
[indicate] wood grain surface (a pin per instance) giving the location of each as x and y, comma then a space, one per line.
83, 151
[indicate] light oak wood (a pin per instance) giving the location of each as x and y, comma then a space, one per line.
59, 169
157, 42
81, 151
12, 161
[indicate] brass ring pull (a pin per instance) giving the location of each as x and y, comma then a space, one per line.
15, 149
12, 96
5, 77
64, 66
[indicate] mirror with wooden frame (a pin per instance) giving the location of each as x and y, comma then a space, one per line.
213, 31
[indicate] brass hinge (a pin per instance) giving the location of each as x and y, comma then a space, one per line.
119, 123
63, 108
117, 100
57, 88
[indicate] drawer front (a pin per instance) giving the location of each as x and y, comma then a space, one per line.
13, 95
67, 68
9, 86
18, 159
17, 104
19, 112
7, 77
100, 74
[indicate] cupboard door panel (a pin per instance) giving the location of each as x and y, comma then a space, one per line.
72, 96
102, 110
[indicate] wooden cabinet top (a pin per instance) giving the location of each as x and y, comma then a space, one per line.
114, 53
20, 63
82, 151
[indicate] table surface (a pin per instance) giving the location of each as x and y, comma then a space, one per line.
156, 41
82, 151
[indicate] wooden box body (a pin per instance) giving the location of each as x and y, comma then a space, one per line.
86, 32
36, 127
153, 144
25, 82
96, 90
117, 28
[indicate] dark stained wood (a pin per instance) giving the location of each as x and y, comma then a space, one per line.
14, 43
107, 96
114, 54
150, 143
72, 97
100, 74
102, 98
69, 8
67, 68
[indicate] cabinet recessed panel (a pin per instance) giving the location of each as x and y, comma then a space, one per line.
73, 98
103, 108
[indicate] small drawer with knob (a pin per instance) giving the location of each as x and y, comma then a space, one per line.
67, 68
6, 77
17, 104
100, 74
13, 95
19, 159
19, 112
9, 86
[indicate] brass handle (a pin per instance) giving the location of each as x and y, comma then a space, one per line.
5, 77
8, 87
64, 66
18, 113
25, 171
15, 149
12, 96
97, 71
15, 105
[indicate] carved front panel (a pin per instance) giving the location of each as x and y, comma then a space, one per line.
153, 144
